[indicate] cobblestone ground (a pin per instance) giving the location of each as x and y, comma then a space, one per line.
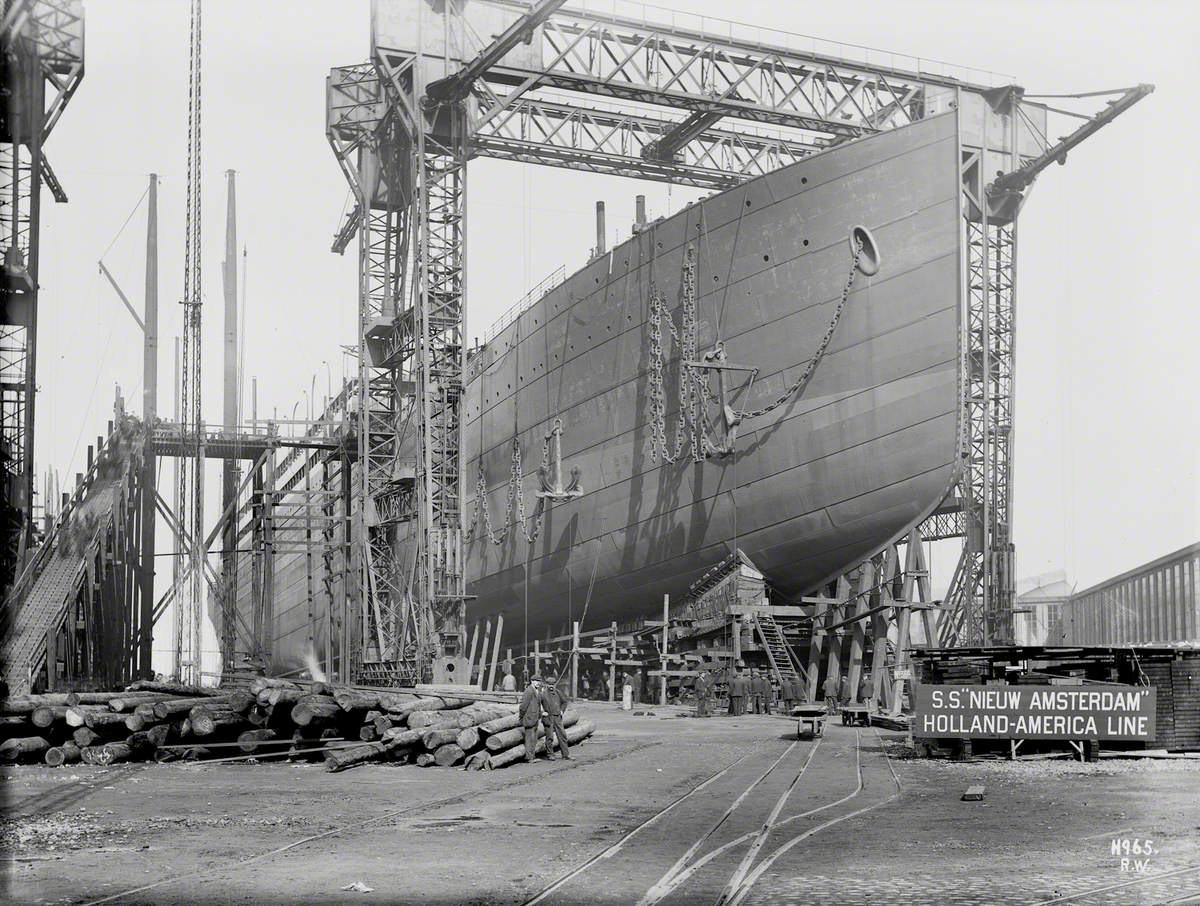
292, 834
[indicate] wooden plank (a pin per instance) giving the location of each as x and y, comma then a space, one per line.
491, 680
612, 666
973, 794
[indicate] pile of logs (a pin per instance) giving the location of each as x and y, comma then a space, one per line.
449, 732
347, 726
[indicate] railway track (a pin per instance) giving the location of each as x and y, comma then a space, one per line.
759, 823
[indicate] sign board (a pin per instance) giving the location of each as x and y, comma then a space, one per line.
1034, 712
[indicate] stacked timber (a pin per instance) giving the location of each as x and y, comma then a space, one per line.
269, 718
482, 736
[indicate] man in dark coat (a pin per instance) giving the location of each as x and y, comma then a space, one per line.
737, 694
554, 702
704, 694
788, 691
759, 689
530, 712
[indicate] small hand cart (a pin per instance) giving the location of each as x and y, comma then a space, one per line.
855, 715
810, 719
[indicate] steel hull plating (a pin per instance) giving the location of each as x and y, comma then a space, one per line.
813, 487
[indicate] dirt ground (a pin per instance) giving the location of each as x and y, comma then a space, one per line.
845, 820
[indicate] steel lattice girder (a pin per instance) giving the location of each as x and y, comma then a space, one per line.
42, 43
691, 70
586, 138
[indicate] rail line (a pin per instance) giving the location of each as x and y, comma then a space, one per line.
209, 872
616, 846
668, 886
743, 889
650, 896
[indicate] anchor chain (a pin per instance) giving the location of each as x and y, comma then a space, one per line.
695, 389
515, 500
802, 381
690, 390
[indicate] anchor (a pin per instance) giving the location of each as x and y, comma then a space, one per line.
715, 360
551, 473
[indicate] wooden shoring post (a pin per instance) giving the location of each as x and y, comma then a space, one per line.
925, 594
858, 633
491, 680
833, 664
88, 655
129, 580
612, 665
108, 616
269, 556
904, 621
815, 643
310, 574
52, 659
487, 641
351, 570
537, 659
881, 689
666, 634
474, 648
575, 660
256, 561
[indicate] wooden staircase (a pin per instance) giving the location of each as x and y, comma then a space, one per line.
779, 653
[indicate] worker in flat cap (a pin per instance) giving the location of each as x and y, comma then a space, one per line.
704, 688
554, 702
531, 714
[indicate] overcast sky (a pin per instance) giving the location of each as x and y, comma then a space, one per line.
1107, 428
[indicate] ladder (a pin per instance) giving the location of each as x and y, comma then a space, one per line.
779, 653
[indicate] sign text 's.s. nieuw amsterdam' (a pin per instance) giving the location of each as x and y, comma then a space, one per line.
1034, 712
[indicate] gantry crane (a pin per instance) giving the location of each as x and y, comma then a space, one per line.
698, 102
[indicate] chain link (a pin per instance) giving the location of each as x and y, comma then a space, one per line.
691, 385
801, 382
695, 388
515, 499
694, 394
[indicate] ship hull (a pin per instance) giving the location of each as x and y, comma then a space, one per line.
869, 447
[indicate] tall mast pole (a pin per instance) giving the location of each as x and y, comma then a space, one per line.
230, 472
149, 416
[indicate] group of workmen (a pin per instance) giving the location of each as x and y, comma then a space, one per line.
755, 693
543, 703
749, 693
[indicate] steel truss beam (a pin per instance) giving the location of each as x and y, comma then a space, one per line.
981, 596
41, 45
438, 302
369, 142
723, 75
623, 144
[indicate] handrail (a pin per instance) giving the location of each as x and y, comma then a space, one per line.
555, 278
